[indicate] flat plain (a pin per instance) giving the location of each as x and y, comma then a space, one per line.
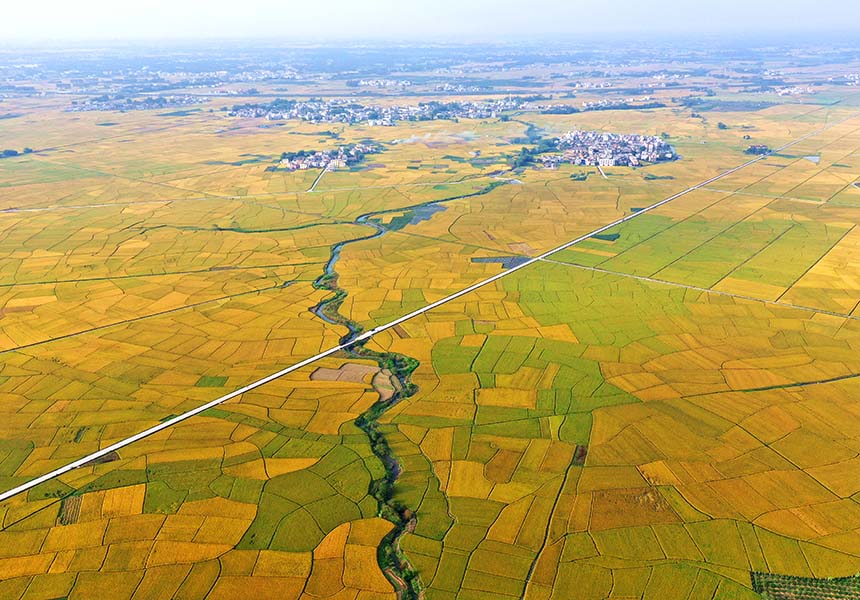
667, 410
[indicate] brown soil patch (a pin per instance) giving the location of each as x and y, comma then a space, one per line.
385, 384
521, 248
107, 458
70, 510
352, 372
629, 507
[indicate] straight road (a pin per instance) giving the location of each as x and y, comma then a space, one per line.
369, 334
316, 181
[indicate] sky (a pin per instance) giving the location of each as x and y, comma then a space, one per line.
478, 20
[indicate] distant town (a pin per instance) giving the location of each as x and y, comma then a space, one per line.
350, 112
122, 104
380, 83
622, 104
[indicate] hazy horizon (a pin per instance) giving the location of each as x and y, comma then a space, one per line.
447, 20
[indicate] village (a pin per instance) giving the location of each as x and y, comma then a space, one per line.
595, 148
381, 83
630, 103
339, 158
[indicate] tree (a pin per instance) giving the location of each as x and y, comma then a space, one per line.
524, 158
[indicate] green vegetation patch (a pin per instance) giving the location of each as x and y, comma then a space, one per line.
211, 381
714, 259
49, 489
296, 510
116, 479
792, 254
788, 587
13, 453
190, 477
180, 113
715, 104
607, 237
161, 498
449, 357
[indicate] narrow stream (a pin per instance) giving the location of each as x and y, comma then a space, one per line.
395, 565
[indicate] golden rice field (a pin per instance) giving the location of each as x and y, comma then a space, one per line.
656, 413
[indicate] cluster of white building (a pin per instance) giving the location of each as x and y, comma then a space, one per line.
339, 158
338, 110
452, 88
116, 103
615, 102
385, 83
592, 85
595, 148
796, 90
849, 79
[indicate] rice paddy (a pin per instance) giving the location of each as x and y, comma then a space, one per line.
656, 412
